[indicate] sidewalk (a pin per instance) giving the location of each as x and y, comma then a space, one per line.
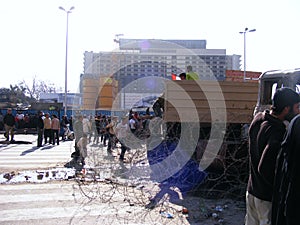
24, 154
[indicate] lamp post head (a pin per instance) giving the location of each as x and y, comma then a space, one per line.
63, 9
247, 30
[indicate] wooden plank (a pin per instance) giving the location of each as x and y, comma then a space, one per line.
192, 85
205, 117
239, 98
203, 104
212, 96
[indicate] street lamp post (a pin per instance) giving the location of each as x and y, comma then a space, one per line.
66, 62
244, 33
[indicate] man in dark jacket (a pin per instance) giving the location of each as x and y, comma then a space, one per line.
266, 133
9, 124
40, 128
286, 195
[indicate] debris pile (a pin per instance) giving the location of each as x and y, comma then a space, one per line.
37, 176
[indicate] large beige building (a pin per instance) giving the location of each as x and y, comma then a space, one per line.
141, 58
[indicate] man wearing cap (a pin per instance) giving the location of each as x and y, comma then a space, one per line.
266, 133
9, 125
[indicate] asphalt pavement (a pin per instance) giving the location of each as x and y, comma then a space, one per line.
23, 154
45, 186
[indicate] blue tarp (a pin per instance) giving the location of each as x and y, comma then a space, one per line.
186, 178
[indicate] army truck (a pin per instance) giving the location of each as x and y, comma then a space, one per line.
211, 117
221, 110
215, 115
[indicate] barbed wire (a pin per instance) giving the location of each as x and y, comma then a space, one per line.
108, 181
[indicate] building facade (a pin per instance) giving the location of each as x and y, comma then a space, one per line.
136, 59
142, 58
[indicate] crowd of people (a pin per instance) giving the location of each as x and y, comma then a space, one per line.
22, 120
108, 131
48, 129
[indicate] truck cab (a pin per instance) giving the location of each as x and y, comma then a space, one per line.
270, 81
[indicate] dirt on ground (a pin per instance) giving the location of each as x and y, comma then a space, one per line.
214, 211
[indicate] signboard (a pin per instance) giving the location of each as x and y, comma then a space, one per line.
130, 100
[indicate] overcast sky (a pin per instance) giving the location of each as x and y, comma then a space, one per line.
32, 42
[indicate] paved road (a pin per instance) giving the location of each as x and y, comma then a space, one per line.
120, 197
67, 203
71, 201
15, 157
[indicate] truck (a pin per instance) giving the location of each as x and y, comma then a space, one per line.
270, 81
213, 117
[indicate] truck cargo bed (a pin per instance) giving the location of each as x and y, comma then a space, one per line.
192, 101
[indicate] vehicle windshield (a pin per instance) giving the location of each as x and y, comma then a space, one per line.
270, 85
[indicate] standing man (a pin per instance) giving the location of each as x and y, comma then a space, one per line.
55, 127
63, 126
47, 128
190, 75
86, 125
9, 125
122, 130
82, 145
266, 133
104, 132
1, 121
133, 124
78, 131
40, 128
111, 133
286, 196
98, 129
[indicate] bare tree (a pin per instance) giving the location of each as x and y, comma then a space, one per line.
37, 87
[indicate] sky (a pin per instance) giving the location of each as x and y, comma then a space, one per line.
33, 32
